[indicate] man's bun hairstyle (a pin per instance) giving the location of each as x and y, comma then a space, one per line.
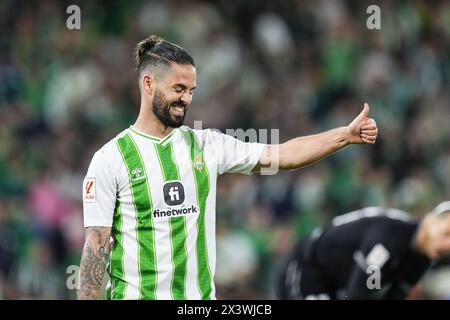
156, 51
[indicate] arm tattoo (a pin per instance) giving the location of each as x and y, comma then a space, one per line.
93, 261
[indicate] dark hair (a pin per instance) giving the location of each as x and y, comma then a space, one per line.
156, 51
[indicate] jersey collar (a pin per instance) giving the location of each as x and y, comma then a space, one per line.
153, 138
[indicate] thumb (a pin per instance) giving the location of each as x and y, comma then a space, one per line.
365, 112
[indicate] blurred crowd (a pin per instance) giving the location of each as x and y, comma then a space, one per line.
300, 66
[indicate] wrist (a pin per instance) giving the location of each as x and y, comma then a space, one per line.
346, 135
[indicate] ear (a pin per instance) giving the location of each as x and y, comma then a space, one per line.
148, 83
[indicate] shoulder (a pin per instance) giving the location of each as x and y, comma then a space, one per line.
109, 152
376, 224
203, 136
375, 215
394, 230
201, 132
389, 223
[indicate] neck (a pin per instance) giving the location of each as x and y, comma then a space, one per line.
149, 124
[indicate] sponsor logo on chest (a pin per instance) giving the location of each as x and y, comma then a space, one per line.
174, 195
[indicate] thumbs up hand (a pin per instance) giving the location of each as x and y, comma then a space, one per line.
363, 129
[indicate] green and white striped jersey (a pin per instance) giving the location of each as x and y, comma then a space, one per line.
159, 198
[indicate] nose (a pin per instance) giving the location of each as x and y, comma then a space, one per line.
186, 98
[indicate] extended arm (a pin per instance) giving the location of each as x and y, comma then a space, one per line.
302, 151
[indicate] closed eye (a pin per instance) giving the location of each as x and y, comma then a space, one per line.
179, 88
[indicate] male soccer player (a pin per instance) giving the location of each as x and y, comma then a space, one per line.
152, 189
371, 253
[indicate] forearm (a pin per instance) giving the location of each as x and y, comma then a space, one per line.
93, 262
302, 151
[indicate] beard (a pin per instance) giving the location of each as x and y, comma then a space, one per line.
161, 109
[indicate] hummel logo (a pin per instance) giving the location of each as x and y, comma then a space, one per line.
136, 174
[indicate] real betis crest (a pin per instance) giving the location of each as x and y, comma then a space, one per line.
198, 162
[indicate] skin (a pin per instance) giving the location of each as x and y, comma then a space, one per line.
177, 86
94, 258
433, 236
302, 151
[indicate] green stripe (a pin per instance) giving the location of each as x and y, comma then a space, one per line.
177, 224
116, 272
143, 205
202, 184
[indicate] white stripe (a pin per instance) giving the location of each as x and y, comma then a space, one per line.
210, 220
371, 212
130, 247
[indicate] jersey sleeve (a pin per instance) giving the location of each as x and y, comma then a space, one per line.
99, 191
233, 155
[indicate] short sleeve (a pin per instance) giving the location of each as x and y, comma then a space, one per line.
99, 192
233, 155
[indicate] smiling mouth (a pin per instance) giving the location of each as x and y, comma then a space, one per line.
177, 110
